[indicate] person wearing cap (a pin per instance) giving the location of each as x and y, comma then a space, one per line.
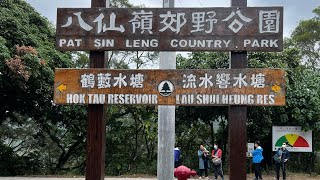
283, 155
203, 155
256, 160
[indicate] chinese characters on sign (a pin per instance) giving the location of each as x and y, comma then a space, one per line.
103, 80
173, 29
175, 87
189, 81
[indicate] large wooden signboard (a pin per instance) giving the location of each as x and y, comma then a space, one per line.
170, 29
258, 87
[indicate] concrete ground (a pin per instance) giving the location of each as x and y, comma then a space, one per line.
291, 176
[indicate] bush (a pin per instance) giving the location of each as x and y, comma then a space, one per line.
317, 163
11, 164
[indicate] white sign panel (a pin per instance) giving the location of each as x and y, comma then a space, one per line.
250, 147
296, 139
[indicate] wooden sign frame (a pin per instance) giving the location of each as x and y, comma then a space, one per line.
220, 87
170, 29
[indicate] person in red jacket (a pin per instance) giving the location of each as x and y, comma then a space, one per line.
217, 163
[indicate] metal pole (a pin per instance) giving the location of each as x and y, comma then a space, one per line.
96, 131
237, 119
166, 120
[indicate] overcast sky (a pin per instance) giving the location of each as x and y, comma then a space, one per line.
294, 10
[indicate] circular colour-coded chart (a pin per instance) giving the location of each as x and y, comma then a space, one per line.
294, 140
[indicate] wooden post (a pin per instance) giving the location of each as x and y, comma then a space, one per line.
238, 120
166, 120
96, 131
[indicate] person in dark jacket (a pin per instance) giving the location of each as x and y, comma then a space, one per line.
283, 155
177, 154
256, 160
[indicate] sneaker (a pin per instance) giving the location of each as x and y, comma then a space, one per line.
206, 178
200, 177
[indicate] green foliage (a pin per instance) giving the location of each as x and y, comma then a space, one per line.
287, 59
12, 164
47, 138
307, 38
120, 4
4, 51
317, 163
22, 25
304, 98
131, 140
203, 60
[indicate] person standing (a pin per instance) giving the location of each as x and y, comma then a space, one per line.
217, 163
203, 162
281, 157
177, 154
256, 160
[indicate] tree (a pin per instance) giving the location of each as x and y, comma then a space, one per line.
307, 38
50, 134
304, 106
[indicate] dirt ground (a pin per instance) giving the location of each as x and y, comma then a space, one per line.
291, 176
